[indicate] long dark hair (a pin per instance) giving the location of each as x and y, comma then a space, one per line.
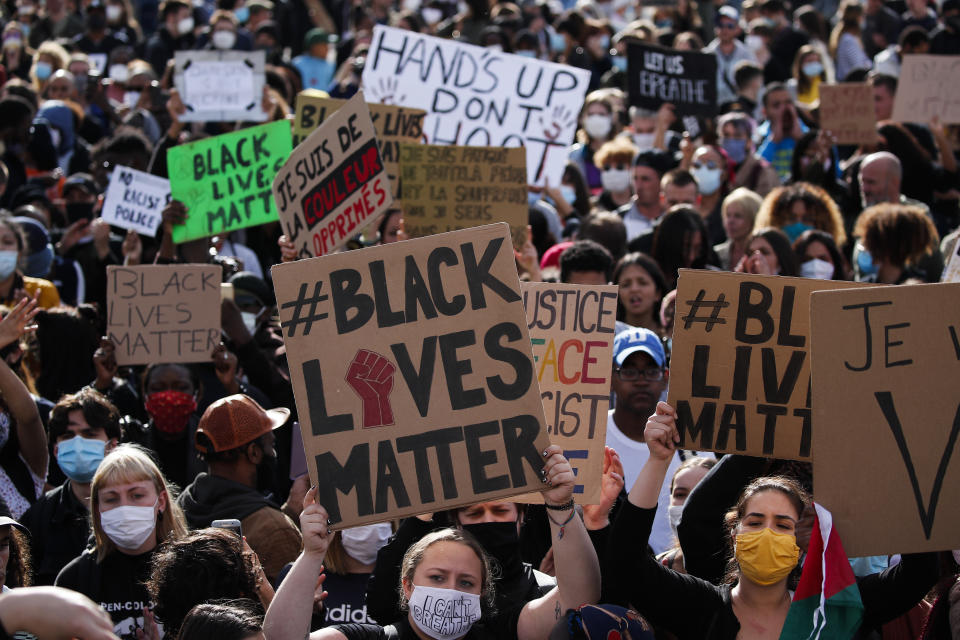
672, 236
648, 264
781, 247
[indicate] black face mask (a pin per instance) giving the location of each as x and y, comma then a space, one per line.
501, 541
79, 211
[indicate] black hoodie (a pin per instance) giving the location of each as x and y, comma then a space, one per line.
210, 498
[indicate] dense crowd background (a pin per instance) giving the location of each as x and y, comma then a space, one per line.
111, 477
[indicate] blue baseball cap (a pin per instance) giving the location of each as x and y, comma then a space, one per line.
628, 342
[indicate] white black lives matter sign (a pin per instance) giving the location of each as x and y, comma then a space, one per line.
413, 374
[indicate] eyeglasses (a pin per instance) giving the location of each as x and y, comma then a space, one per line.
632, 374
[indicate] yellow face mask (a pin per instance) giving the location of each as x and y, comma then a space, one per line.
766, 557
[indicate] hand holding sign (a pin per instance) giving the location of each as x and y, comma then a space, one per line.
313, 525
558, 474
371, 376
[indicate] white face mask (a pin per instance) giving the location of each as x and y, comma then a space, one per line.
674, 511
114, 13
119, 72
708, 180
224, 39
185, 26
249, 321
129, 526
616, 180
362, 543
817, 268
644, 141
431, 15
754, 43
597, 126
443, 614
131, 98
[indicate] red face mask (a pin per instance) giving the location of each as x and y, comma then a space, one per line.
170, 410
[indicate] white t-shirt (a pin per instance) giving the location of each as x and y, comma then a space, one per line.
634, 455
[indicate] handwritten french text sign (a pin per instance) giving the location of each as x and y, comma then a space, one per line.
334, 184
475, 96
413, 375
572, 329
740, 366
217, 86
163, 313
846, 111
135, 200
686, 79
225, 181
450, 188
886, 436
929, 86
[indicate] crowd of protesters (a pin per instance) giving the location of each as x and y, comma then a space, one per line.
112, 477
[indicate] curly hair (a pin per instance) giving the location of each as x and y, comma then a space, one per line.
222, 620
899, 234
19, 566
96, 410
204, 565
776, 210
414, 556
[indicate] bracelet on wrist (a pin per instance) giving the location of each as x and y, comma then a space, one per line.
559, 507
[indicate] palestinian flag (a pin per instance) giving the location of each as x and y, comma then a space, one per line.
826, 605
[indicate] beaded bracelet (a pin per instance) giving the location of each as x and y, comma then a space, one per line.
559, 507
562, 525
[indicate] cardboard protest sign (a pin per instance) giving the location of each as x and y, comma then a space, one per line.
135, 200
394, 124
413, 375
572, 329
886, 457
334, 183
225, 181
846, 111
740, 366
449, 188
475, 96
164, 313
929, 86
686, 79
220, 85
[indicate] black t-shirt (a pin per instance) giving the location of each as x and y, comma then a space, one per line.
346, 601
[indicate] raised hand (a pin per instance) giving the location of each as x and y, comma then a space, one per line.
558, 475
371, 376
16, 323
105, 364
661, 434
313, 525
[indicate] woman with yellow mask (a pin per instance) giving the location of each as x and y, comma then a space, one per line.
754, 601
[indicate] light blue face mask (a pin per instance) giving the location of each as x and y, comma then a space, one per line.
79, 457
242, 14
865, 262
8, 263
532, 198
568, 193
43, 70
795, 230
619, 62
527, 53
557, 42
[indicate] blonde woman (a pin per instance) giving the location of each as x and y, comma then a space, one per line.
132, 511
49, 58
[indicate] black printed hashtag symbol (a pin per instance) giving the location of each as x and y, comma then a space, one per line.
298, 304
713, 318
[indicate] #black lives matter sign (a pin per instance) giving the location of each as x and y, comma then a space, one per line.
413, 374
685, 79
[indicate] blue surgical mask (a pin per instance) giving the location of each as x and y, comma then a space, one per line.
8, 263
795, 230
43, 70
736, 148
568, 193
527, 53
79, 457
619, 62
37, 265
812, 69
708, 180
242, 14
532, 198
865, 264
557, 42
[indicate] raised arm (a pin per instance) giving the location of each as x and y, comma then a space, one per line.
577, 568
30, 433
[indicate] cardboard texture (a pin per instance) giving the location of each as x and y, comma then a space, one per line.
450, 188
218, 86
572, 329
929, 86
163, 313
886, 419
135, 200
225, 181
475, 96
334, 184
413, 375
740, 367
394, 124
686, 79
846, 111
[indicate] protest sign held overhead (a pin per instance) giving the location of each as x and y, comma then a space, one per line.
740, 366
220, 85
685, 79
886, 436
135, 200
413, 375
163, 313
225, 181
846, 111
393, 124
929, 86
476, 96
450, 188
572, 329
334, 184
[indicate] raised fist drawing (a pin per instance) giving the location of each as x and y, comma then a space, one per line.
371, 376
